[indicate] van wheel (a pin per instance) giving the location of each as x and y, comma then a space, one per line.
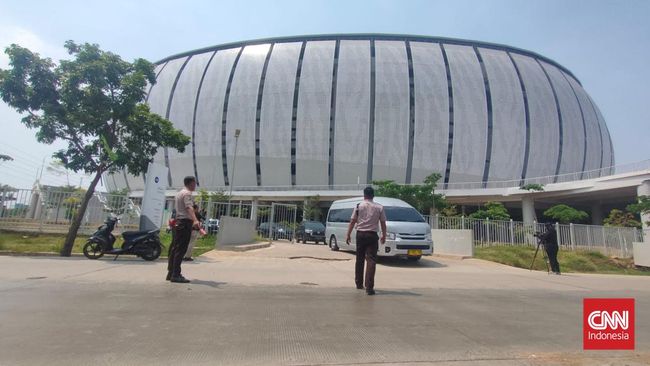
333, 245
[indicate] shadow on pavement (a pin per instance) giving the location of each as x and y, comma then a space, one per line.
213, 284
398, 293
404, 263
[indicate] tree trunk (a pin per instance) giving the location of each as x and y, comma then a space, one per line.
74, 228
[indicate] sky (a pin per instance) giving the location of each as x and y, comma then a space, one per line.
603, 42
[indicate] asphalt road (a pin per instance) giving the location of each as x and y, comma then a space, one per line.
297, 305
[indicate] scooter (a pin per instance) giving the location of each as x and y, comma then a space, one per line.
144, 244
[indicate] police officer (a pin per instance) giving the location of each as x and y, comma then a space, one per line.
367, 216
185, 221
549, 238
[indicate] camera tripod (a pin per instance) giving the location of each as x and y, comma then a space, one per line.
540, 242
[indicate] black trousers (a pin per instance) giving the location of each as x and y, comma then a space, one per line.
182, 232
551, 250
367, 246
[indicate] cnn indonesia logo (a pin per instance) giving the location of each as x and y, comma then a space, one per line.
608, 324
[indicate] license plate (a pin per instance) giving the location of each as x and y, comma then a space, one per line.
414, 252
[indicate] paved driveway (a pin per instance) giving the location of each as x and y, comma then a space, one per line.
296, 304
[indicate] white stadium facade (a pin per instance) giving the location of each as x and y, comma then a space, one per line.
325, 114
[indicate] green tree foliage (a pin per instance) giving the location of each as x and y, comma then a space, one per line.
450, 211
642, 207
619, 218
420, 196
94, 103
310, 210
565, 214
492, 211
533, 187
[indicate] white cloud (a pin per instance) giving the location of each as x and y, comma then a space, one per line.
11, 34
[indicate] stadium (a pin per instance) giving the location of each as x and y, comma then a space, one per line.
330, 111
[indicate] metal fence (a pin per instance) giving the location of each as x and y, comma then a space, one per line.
52, 211
612, 241
46, 210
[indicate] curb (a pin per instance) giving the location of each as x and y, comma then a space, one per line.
36, 254
244, 248
452, 256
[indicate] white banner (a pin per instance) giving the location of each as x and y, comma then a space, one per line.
153, 202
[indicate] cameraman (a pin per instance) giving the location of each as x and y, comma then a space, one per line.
549, 238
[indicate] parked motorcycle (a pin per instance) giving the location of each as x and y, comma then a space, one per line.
144, 244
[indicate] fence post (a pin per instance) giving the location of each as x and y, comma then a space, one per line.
559, 235
604, 240
487, 229
462, 222
271, 221
571, 236
436, 222
512, 232
620, 243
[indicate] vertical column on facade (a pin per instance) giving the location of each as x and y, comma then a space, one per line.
450, 144
224, 118
488, 100
559, 117
371, 121
335, 66
258, 116
294, 113
411, 135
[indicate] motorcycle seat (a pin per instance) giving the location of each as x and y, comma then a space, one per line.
133, 234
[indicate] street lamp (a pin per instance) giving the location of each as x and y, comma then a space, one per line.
234, 160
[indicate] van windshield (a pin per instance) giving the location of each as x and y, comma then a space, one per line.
406, 214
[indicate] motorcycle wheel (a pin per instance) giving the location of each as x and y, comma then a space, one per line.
154, 253
93, 250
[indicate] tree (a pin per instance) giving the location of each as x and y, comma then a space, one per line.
94, 103
619, 218
420, 196
642, 207
310, 209
493, 211
565, 214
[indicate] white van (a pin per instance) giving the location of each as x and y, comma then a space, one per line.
409, 235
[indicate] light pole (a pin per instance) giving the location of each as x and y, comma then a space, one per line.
234, 160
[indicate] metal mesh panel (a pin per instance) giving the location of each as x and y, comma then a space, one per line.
208, 119
277, 106
573, 133
391, 111
312, 125
544, 125
508, 116
591, 122
182, 111
352, 112
159, 95
470, 115
431, 111
241, 114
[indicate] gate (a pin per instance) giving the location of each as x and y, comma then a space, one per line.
277, 221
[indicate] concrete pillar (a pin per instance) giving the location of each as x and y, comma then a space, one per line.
644, 190
597, 215
254, 203
528, 209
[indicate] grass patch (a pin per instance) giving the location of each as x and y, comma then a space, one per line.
52, 243
570, 261
34, 243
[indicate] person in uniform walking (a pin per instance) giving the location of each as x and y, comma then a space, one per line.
550, 244
185, 221
367, 216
